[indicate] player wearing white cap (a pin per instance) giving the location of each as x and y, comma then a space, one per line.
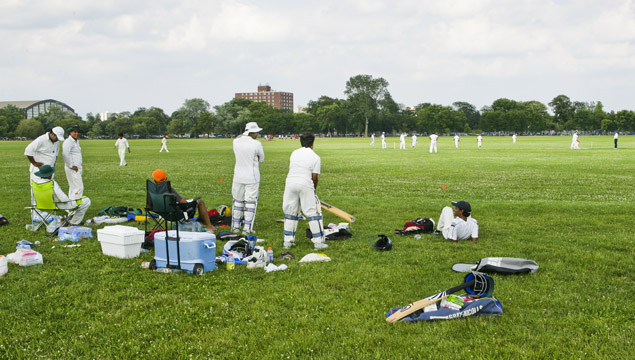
461, 227
246, 183
44, 150
299, 194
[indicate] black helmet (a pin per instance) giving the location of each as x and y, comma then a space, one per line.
383, 244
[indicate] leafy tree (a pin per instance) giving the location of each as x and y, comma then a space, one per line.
305, 122
364, 93
177, 127
53, 115
190, 112
625, 120
10, 117
562, 108
471, 114
124, 124
29, 128
232, 116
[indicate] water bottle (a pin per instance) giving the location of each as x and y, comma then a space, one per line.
269, 255
230, 262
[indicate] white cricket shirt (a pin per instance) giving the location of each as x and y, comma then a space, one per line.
249, 154
72, 153
463, 230
43, 150
303, 163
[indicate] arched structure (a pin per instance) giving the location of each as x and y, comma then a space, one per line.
37, 107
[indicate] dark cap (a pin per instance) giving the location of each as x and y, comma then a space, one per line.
463, 205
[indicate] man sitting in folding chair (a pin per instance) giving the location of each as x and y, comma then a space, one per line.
49, 197
190, 207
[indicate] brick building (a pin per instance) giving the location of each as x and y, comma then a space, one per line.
279, 99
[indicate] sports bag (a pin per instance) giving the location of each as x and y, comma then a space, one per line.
422, 225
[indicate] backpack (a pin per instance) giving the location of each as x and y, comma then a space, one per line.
417, 226
119, 211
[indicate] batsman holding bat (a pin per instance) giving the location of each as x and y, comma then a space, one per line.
299, 193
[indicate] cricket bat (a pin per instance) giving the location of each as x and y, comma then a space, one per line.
420, 304
337, 212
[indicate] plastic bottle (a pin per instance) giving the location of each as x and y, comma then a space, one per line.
231, 263
269, 255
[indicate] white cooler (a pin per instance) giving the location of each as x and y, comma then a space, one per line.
120, 241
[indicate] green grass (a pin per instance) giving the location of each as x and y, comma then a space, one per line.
570, 211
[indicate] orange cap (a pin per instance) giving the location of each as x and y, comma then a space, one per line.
159, 176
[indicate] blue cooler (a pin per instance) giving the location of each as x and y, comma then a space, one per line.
197, 251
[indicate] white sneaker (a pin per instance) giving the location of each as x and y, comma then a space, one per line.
319, 246
288, 244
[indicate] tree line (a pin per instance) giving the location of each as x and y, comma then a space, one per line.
367, 108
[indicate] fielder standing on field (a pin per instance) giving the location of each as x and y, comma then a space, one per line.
402, 141
164, 144
122, 145
72, 154
383, 140
414, 140
615, 139
479, 141
433, 142
456, 140
372, 139
299, 193
575, 141
246, 183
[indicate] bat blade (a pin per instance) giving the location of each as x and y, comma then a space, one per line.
337, 212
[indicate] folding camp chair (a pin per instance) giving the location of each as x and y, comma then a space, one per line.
45, 209
162, 202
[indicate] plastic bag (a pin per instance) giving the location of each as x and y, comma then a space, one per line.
25, 257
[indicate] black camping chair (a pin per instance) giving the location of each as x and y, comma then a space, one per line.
163, 210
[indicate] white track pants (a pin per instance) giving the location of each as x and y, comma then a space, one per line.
402, 145
433, 146
81, 211
244, 205
75, 183
302, 197
122, 157
164, 147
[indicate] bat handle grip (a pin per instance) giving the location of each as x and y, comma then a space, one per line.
460, 287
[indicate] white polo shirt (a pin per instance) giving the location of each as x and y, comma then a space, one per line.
72, 153
43, 150
434, 137
249, 154
463, 230
303, 163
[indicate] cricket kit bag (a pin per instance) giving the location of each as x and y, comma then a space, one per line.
500, 265
456, 307
422, 225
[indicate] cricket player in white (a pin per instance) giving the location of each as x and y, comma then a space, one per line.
615, 140
479, 141
73, 163
299, 193
456, 141
414, 141
383, 140
461, 227
402, 141
44, 150
372, 139
433, 142
164, 144
514, 138
122, 145
245, 186
575, 142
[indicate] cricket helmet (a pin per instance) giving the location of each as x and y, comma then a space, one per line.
383, 243
224, 210
483, 284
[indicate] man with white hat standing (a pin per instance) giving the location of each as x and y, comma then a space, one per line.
73, 160
44, 150
246, 183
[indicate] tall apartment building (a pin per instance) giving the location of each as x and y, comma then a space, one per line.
279, 99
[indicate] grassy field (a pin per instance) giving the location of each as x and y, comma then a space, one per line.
570, 211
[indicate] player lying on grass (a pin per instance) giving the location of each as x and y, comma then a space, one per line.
160, 176
462, 227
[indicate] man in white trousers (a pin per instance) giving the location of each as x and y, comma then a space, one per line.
246, 183
456, 140
414, 140
164, 144
299, 194
457, 224
72, 154
383, 140
514, 138
122, 145
575, 142
402, 141
433, 142
372, 139
479, 141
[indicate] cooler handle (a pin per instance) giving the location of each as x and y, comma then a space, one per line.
209, 246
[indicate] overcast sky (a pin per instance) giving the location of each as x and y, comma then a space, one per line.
113, 55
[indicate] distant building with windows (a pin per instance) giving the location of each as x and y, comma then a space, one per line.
279, 99
36, 107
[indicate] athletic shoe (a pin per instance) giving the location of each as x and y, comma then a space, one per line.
288, 244
319, 246
436, 233
236, 231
